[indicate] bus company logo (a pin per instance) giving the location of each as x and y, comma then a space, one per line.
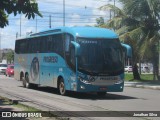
34, 70
91, 79
50, 59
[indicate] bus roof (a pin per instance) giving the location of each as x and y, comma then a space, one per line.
88, 32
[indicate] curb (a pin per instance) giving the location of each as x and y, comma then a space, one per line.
142, 85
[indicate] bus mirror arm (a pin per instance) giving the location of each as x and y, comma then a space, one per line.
128, 50
77, 48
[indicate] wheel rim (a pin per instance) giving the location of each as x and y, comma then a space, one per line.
62, 88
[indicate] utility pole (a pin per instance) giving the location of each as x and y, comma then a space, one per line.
36, 23
20, 26
50, 24
16, 35
63, 12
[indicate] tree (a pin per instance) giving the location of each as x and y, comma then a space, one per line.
100, 21
10, 57
137, 25
147, 13
27, 7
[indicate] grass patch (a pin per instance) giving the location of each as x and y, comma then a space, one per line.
25, 107
6, 101
144, 77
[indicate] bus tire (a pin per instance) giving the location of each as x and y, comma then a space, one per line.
101, 93
25, 82
28, 85
61, 87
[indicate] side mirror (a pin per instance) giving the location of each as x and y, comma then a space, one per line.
77, 48
128, 50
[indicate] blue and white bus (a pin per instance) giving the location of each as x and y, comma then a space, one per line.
81, 59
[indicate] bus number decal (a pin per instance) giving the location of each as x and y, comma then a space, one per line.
50, 59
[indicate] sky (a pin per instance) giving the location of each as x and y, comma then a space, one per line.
77, 13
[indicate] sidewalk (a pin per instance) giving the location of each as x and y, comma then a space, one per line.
149, 85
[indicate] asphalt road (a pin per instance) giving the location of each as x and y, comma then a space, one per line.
48, 99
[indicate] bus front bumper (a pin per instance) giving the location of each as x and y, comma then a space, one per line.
82, 87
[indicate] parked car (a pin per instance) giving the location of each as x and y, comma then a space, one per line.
10, 70
3, 68
128, 69
145, 69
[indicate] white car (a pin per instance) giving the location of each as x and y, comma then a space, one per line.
128, 69
145, 69
3, 68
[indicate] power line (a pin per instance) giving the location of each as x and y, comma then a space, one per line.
68, 5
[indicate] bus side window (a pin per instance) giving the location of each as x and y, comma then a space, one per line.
67, 42
72, 56
33, 46
17, 50
22, 46
58, 44
43, 44
38, 45
49, 44
30, 45
27, 46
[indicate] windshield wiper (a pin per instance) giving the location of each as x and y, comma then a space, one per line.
88, 71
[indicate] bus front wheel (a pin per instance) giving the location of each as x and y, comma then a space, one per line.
61, 87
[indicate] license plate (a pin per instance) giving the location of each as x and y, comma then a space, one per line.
109, 78
103, 88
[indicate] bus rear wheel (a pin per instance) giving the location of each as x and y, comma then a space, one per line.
25, 82
61, 87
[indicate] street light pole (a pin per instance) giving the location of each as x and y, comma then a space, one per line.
50, 21
36, 23
63, 12
20, 25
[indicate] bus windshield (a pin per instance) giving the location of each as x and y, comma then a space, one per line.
100, 56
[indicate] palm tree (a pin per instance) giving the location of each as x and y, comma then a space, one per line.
137, 24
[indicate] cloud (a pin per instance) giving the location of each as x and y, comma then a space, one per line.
78, 13
86, 11
7, 39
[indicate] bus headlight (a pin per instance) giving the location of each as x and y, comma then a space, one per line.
119, 81
83, 80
